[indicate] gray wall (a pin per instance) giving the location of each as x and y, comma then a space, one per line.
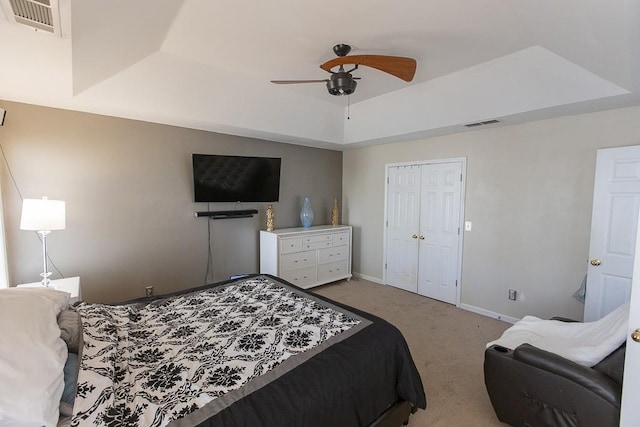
529, 193
130, 210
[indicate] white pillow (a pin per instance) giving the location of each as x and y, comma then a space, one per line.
32, 356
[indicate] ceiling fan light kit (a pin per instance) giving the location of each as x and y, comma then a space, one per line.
342, 82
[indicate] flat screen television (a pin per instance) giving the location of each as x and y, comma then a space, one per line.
218, 178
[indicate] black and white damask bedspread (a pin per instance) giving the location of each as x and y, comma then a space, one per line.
154, 362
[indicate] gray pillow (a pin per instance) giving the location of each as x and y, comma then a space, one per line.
70, 379
70, 329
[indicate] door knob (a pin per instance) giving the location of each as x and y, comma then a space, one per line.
636, 335
415, 236
595, 262
421, 237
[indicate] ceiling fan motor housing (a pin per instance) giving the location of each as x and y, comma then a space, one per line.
341, 83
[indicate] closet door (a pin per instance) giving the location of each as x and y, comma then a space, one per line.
439, 237
403, 215
423, 219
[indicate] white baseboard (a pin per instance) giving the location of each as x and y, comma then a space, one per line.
467, 307
488, 313
365, 277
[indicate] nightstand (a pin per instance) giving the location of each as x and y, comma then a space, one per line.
69, 284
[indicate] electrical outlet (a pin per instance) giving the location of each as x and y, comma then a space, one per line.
148, 291
512, 294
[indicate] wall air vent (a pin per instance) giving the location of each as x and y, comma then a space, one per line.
486, 122
37, 14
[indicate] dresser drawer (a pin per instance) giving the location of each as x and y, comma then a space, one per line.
288, 246
333, 271
339, 253
302, 277
297, 260
338, 239
318, 241
317, 238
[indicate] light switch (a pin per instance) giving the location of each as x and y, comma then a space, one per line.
467, 226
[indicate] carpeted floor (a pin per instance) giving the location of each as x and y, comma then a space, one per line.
447, 345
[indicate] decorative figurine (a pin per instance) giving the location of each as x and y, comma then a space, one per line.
335, 214
270, 217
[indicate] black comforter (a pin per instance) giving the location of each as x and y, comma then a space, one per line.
349, 383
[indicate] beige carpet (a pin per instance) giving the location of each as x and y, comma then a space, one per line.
447, 345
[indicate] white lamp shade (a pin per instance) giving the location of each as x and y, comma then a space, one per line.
42, 215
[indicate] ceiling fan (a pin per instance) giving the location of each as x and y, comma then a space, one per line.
342, 82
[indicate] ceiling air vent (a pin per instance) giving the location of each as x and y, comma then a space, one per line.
37, 14
486, 122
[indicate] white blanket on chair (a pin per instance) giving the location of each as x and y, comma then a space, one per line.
584, 343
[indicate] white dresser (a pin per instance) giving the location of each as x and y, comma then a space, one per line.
307, 257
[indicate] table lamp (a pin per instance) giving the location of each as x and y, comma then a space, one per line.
43, 215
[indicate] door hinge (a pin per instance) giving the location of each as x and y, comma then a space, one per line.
460, 177
458, 231
385, 265
456, 283
387, 180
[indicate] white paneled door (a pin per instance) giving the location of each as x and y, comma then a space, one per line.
614, 222
403, 216
423, 228
439, 231
631, 382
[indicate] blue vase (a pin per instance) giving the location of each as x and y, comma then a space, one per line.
306, 214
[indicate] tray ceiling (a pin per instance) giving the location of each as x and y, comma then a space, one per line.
206, 64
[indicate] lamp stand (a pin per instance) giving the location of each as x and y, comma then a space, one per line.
46, 273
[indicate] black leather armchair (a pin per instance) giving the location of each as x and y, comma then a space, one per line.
532, 387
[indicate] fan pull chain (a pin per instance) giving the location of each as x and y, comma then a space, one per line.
348, 107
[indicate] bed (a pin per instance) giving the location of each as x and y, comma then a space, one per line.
255, 351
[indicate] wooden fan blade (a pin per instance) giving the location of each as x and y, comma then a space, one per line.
401, 67
293, 82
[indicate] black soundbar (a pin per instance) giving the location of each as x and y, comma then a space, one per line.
244, 213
